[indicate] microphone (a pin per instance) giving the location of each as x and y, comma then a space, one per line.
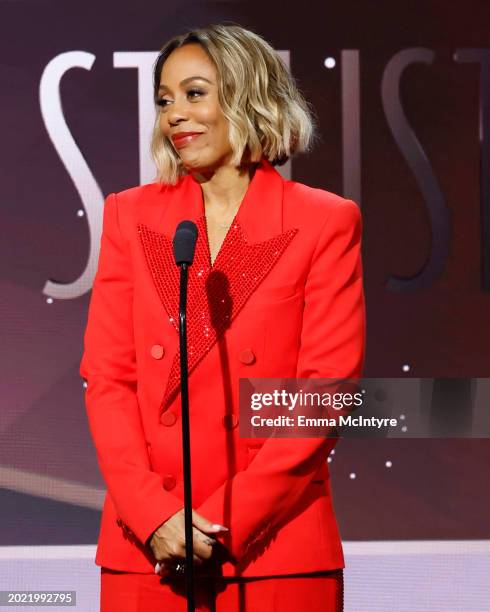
185, 242
184, 247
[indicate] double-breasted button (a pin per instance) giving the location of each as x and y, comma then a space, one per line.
230, 421
168, 419
157, 351
169, 482
247, 356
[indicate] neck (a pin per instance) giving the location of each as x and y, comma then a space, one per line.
225, 187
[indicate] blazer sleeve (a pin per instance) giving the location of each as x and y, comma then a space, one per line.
109, 367
332, 345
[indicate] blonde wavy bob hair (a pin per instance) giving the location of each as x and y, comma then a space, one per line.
266, 113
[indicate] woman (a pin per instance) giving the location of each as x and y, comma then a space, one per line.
275, 290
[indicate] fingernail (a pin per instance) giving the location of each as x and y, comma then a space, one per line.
158, 568
217, 527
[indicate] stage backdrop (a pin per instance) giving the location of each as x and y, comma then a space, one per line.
402, 95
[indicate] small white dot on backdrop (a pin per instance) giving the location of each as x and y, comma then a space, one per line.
404, 428
352, 475
406, 367
402, 417
329, 459
80, 213
329, 62
363, 390
49, 300
388, 464
332, 452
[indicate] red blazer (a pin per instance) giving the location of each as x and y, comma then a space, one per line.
284, 298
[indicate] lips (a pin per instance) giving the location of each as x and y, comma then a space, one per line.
184, 137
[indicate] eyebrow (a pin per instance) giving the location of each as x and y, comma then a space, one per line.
187, 80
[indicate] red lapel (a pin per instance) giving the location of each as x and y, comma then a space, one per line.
216, 294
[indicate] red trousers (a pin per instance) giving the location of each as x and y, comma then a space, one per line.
128, 592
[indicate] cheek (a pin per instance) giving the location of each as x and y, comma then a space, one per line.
210, 114
206, 115
224, 129
165, 129
221, 136
163, 123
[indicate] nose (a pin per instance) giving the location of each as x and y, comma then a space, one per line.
176, 113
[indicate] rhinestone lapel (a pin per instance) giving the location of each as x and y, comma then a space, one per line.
216, 294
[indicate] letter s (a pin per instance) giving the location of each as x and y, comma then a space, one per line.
75, 164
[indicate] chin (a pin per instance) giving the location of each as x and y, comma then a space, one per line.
200, 167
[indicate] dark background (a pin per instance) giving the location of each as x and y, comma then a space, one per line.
435, 489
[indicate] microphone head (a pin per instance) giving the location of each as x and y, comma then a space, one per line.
185, 242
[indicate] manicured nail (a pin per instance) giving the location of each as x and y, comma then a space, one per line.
217, 527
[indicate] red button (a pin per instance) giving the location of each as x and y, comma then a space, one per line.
157, 351
247, 356
169, 482
168, 419
230, 421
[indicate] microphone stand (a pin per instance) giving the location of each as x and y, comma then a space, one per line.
184, 374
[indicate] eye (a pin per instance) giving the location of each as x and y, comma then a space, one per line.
195, 91
162, 102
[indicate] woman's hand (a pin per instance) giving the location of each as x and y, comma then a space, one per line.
168, 541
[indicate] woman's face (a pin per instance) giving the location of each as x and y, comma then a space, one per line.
188, 102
